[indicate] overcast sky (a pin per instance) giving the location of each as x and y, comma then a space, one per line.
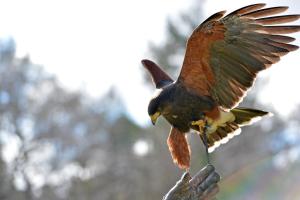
99, 44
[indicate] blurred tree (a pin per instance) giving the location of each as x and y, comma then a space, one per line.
3, 178
51, 128
16, 82
60, 144
169, 54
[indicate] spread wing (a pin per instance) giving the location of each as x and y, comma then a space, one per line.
224, 54
159, 77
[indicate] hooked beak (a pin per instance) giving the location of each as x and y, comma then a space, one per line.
154, 117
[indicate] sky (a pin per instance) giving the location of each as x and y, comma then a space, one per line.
94, 45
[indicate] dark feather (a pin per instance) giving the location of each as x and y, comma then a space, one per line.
159, 77
288, 47
281, 38
247, 9
277, 19
224, 57
237, 71
280, 29
215, 16
266, 12
221, 132
262, 44
243, 57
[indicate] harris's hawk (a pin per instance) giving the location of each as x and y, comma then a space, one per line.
223, 57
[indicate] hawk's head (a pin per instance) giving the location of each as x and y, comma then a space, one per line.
155, 108
160, 103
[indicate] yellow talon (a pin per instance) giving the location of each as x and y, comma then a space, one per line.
200, 123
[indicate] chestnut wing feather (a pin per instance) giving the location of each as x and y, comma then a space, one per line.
224, 54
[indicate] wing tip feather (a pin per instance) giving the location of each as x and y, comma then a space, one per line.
247, 9
160, 77
265, 12
215, 16
277, 19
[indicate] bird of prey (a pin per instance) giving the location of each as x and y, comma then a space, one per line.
223, 56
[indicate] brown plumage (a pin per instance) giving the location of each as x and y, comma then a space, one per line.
223, 56
179, 148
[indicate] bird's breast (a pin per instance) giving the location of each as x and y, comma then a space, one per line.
183, 111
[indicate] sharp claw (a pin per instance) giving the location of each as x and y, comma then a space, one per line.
203, 126
200, 123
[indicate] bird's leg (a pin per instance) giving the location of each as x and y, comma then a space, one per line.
203, 125
205, 141
200, 123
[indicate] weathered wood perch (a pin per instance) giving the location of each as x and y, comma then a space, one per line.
203, 186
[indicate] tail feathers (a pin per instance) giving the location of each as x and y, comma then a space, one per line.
222, 135
247, 116
243, 117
